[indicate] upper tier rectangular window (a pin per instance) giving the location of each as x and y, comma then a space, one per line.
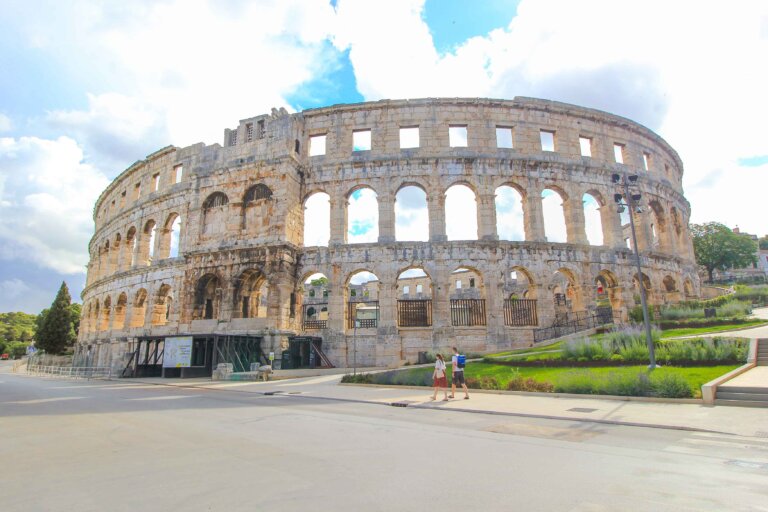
586, 146
457, 136
317, 145
547, 140
156, 182
361, 140
409, 137
618, 152
646, 161
504, 137
178, 172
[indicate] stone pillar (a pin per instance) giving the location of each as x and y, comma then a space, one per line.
336, 309
611, 223
574, 220
436, 206
387, 307
279, 302
386, 218
163, 236
642, 231
545, 307
486, 217
338, 221
441, 290
533, 216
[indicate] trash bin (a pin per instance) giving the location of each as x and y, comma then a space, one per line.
423, 358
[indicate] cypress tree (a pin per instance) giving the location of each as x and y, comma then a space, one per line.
56, 332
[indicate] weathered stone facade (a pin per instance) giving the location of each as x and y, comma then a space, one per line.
239, 265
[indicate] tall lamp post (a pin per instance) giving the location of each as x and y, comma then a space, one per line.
628, 199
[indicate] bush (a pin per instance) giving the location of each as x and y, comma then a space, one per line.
612, 383
529, 384
670, 385
360, 378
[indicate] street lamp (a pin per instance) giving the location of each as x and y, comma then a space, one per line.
631, 200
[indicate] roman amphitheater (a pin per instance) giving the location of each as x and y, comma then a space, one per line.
486, 222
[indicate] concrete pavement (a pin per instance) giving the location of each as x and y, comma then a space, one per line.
671, 414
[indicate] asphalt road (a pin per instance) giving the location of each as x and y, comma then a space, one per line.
116, 446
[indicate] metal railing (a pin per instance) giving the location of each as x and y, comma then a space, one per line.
580, 322
71, 372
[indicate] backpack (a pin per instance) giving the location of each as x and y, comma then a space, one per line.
461, 361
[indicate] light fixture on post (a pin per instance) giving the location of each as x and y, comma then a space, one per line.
627, 200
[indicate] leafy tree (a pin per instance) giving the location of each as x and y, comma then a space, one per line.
17, 326
56, 331
717, 247
321, 281
764, 243
77, 310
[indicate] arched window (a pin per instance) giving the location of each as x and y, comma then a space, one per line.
362, 216
215, 213
257, 208
593, 224
411, 214
317, 220
460, 213
510, 221
554, 216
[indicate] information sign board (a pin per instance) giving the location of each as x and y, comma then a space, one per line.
177, 352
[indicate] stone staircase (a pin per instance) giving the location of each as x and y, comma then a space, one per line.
747, 396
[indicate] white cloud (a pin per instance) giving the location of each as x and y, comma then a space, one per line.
654, 62
13, 288
6, 124
46, 199
116, 129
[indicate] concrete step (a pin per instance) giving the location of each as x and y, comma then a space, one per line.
743, 389
741, 403
749, 397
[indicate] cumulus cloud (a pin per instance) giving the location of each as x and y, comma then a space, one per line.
411, 215
6, 124
47, 194
363, 217
510, 222
698, 91
116, 129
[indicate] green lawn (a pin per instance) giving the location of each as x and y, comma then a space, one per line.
673, 333
545, 348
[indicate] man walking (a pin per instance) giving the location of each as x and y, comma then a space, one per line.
457, 365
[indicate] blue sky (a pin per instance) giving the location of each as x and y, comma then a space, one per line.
87, 87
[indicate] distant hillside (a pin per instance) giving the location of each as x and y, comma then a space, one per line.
17, 326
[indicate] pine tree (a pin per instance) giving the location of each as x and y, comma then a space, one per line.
56, 332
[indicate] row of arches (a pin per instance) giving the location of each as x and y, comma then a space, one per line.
255, 209
138, 310
137, 247
521, 298
510, 213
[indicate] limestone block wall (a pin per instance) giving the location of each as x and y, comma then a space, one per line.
187, 237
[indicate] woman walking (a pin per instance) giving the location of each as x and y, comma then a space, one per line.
438, 378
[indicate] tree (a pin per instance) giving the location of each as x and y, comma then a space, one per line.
320, 281
764, 243
717, 247
56, 331
77, 310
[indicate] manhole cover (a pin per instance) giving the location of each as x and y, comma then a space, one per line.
581, 409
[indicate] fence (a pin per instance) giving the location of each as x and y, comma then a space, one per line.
414, 313
311, 315
71, 372
520, 312
467, 312
366, 312
579, 321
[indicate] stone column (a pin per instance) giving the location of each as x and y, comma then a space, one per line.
279, 301
336, 299
642, 231
387, 306
545, 307
486, 217
338, 221
163, 236
436, 206
441, 290
386, 218
611, 222
574, 219
533, 216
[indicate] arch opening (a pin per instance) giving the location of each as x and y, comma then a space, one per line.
510, 221
411, 215
363, 216
414, 298
554, 216
460, 213
363, 300
317, 220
